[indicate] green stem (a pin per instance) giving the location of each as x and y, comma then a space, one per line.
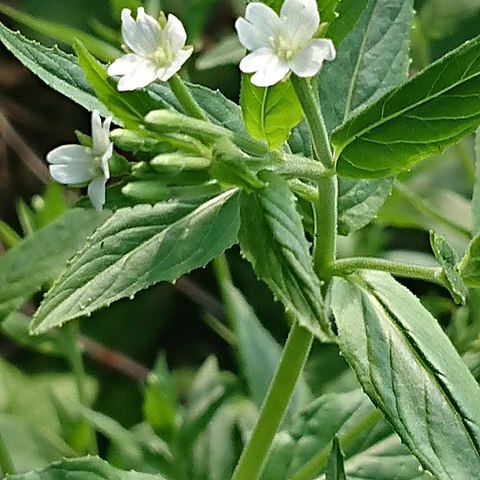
74, 356
348, 265
318, 463
6, 464
316, 125
291, 364
424, 207
301, 167
185, 98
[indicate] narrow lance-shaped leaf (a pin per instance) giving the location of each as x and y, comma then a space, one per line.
335, 467
92, 468
136, 248
272, 239
476, 187
433, 110
269, 113
411, 371
42, 256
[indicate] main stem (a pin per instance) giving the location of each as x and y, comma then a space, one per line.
6, 464
299, 340
291, 364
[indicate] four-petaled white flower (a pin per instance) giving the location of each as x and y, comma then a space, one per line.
158, 53
75, 164
283, 43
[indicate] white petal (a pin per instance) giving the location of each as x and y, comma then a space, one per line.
260, 26
104, 162
100, 136
66, 154
180, 58
300, 19
308, 61
175, 33
144, 73
256, 60
71, 173
96, 192
272, 72
125, 64
141, 36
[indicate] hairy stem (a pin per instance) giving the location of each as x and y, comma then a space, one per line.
185, 98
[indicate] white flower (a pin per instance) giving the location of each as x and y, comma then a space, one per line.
75, 164
158, 53
282, 44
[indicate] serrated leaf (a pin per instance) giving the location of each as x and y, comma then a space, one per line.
428, 113
448, 259
62, 72
136, 248
272, 239
92, 468
42, 256
56, 68
359, 202
371, 60
411, 371
335, 466
269, 113
62, 33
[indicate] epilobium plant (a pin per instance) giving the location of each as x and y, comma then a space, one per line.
77, 164
314, 152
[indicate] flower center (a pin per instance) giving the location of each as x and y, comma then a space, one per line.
162, 56
283, 47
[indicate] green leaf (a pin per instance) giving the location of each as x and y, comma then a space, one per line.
56, 68
448, 259
470, 264
335, 466
269, 113
349, 11
272, 239
359, 202
91, 468
129, 107
311, 432
258, 352
411, 371
63, 33
371, 60
424, 116
476, 187
136, 248
34, 261
228, 50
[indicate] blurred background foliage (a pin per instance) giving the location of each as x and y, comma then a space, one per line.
175, 320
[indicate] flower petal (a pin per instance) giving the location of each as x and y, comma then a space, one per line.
67, 154
145, 72
125, 64
104, 161
100, 134
71, 173
308, 61
259, 27
300, 18
96, 192
141, 36
271, 73
180, 58
174, 33
256, 60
